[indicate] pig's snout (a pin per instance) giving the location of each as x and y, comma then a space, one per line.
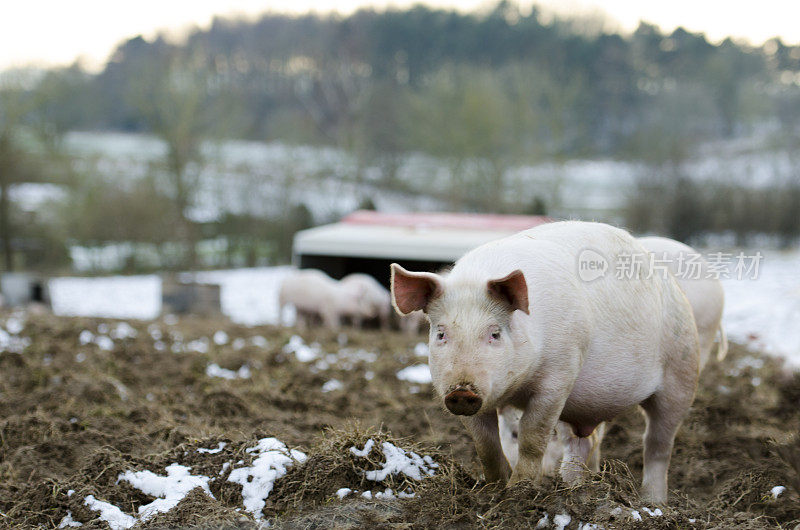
463, 402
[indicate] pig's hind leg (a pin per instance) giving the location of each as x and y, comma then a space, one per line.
665, 409
664, 413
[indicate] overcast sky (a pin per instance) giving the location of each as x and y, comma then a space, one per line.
47, 32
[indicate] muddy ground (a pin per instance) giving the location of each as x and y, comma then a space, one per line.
77, 410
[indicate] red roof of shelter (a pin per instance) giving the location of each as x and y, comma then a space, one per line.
461, 221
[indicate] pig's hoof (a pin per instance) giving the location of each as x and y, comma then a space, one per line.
518, 479
655, 498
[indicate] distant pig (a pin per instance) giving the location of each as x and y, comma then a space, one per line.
315, 294
514, 325
374, 299
412, 323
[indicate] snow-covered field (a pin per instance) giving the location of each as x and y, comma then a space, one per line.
259, 177
244, 176
248, 296
763, 313
111, 297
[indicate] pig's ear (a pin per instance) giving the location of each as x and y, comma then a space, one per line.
412, 291
512, 289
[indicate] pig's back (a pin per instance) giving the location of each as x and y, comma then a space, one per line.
376, 292
623, 301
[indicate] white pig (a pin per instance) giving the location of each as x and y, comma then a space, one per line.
707, 298
375, 299
313, 293
514, 325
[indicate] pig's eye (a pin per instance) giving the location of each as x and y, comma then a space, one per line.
495, 335
440, 335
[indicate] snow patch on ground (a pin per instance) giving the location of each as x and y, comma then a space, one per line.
103, 342
365, 451
343, 492
68, 521
257, 480
419, 373
398, 461
248, 296
748, 361
10, 340
15, 325
386, 495
561, 521
345, 358
214, 370
332, 385
776, 491
214, 451
220, 338
764, 312
124, 331
303, 352
112, 297
116, 518
170, 489
543, 522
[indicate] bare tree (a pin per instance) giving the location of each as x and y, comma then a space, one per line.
183, 105
16, 163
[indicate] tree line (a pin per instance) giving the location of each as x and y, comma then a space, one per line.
483, 92
318, 78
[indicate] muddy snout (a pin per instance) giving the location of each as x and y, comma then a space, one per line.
463, 402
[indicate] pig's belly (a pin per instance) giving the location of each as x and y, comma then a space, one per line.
600, 396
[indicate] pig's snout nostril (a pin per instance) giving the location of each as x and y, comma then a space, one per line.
463, 402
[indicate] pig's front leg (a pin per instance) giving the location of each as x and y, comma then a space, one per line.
535, 431
485, 434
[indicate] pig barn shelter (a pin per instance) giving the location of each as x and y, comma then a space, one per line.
368, 242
